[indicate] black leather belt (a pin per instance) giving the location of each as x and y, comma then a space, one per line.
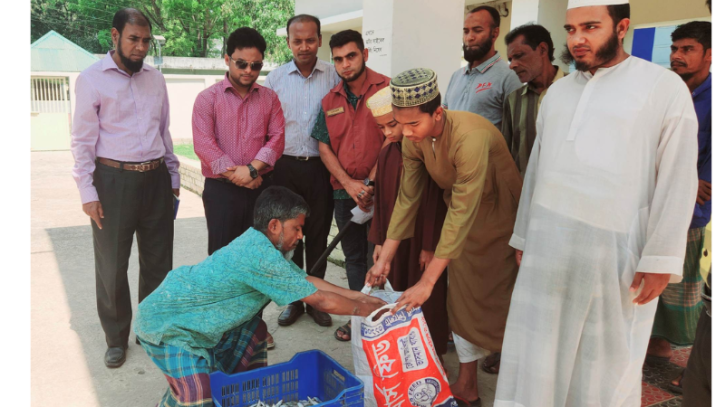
301, 158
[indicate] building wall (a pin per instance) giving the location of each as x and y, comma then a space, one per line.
182, 95
327, 8
504, 28
655, 13
182, 90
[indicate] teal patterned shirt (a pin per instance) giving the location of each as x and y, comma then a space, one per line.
195, 305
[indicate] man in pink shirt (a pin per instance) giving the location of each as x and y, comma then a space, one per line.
126, 171
238, 129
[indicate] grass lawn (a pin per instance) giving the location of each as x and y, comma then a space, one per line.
185, 150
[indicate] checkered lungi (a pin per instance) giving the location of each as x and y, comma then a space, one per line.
679, 307
241, 349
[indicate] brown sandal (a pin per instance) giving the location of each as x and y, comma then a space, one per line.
492, 363
344, 330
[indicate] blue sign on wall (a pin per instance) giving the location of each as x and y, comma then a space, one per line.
653, 44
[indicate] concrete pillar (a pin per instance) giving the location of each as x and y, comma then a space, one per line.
324, 51
549, 13
404, 34
524, 11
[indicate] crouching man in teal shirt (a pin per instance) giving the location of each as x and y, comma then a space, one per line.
204, 318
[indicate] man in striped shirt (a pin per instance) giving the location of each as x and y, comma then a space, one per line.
530, 52
300, 85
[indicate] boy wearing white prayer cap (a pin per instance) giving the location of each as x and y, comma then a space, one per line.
602, 222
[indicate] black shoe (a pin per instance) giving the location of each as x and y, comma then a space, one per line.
291, 313
115, 356
321, 318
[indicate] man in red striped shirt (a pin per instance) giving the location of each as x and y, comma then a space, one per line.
238, 129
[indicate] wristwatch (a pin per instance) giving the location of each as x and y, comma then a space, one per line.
252, 171
369, 183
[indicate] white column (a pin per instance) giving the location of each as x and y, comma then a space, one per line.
525, 11
405, 34
549, 13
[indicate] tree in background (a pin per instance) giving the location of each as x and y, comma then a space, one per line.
192, 28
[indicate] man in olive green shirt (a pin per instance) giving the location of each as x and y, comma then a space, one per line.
530, 52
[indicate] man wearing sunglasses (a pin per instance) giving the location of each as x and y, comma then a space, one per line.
300, 85
238, 129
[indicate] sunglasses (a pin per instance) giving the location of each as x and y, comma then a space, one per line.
242, 64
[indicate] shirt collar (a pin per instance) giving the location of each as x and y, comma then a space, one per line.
703, 86
227, 84
559, 74
109, 63
483, 64
319, 66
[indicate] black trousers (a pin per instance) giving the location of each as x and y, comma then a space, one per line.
697, 383
229, 210
132, 202
311, 180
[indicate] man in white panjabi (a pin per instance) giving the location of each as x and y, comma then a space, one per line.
602, 221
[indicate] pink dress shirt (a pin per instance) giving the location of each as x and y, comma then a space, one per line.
121, 117
232, 130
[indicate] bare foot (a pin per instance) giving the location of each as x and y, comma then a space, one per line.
466, 387
468, 394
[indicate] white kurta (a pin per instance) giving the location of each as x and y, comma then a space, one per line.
609, 191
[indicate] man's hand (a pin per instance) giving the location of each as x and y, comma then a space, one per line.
519, 256
361, 194
654, 284
378, 273
95, 211
415, 296
369, 299
367, 201
425, 258
368, 307
176, 191
241, 176
254, 184
376, 253
704, 192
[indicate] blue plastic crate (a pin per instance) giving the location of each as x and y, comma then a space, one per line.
310, 373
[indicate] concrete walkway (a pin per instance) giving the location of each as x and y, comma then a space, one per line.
67, 343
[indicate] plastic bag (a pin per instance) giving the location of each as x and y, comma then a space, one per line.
405, 367
362, 368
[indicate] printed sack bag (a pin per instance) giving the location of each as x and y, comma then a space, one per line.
406, 370
362, 368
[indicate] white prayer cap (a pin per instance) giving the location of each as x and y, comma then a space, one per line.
381, 103
589, 3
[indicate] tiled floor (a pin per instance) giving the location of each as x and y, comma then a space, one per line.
655, 379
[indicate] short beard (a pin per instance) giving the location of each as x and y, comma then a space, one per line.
605, 54
237, 82
686, 76
471, 55
354, 77
280, 243
128, 63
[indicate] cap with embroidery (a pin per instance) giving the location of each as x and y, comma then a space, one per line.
414, 87
589, 3
380, 103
